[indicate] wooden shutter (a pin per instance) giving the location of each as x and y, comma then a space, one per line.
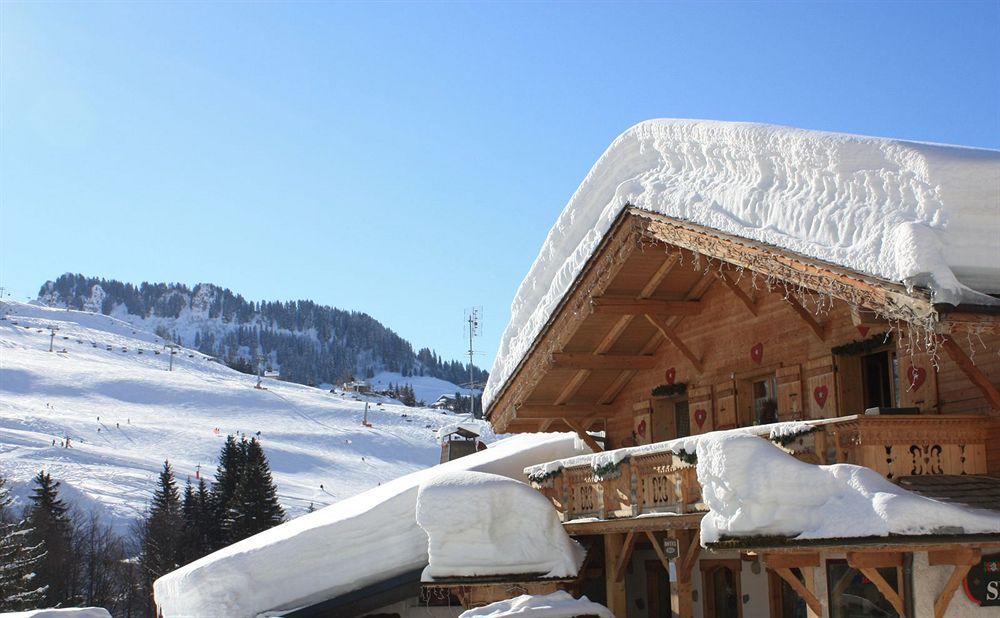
917, 381
850, 384
725, 405
789, 380
700, 409
664, 424
642, 423
821, 388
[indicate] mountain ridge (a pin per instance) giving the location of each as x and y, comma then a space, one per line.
305, 341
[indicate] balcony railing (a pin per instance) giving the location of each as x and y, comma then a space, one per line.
666, 482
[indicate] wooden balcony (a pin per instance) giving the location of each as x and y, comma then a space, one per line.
665, 482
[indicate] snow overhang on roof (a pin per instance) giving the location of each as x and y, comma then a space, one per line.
923, 215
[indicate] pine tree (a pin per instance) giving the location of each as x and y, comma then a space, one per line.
197, 515
227, 476
161, 538
18, 560
52, 531
255, 507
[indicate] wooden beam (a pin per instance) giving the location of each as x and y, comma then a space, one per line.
692, 553
791, 561
688, 521
944, 599
796, 585
615, 388
625, 556
874, 560
671, 336
735, 288
975, 375
807, 317
658, 548
596, 362
541, 411
961, 556
572, 386
887, 591
586, 437
612, 305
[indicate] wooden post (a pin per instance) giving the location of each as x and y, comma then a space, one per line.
613, 548
689, 547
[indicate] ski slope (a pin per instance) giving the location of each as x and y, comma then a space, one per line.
105, 388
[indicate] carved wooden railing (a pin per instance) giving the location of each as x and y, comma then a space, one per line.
649, 483
661, 482
908, 445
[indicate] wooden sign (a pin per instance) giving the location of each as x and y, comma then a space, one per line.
982, 584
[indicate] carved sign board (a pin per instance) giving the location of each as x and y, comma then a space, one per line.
982, 584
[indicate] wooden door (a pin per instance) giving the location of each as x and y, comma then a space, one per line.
657, 590
720, 584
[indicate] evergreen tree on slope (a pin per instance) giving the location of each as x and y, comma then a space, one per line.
227, 476
161, 542
255, 505
19, 588
51, 530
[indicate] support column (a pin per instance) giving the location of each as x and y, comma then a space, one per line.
680, 593
613, 548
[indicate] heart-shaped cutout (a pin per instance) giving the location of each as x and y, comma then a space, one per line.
757, 353
820, 393
699, 417
916, 377
863, 330
671, 375
641, 428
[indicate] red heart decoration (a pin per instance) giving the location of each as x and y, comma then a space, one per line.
757, 353
671, 375
820, 393
916, 376
863, 330
641, 428
700, 416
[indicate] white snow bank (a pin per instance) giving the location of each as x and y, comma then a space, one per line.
752, 488
915, 213
343, 547
556, 605
65, 612
485, 524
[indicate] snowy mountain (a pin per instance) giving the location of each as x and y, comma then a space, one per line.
107, 387
306, 342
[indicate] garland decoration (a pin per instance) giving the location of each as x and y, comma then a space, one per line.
540, 476
607, 470
788, 438
669, 390
863, 346
690, 459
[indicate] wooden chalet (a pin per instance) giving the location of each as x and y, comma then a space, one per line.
673, 329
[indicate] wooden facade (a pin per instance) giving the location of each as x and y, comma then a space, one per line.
673, 329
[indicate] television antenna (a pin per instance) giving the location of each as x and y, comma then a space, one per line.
473, 327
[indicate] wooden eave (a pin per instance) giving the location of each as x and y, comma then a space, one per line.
891, 543
648, 274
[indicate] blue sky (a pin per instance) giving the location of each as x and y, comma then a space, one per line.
407, 160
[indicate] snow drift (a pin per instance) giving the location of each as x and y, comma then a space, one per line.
806, 501
556, 605
343, 547
61, 612
485, 524
915, 213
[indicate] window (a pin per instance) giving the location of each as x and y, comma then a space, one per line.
682, 419
852, 595
880, 378
785, 602
721, 586
765, 401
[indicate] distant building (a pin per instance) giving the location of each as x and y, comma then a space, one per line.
357, 386
445, 402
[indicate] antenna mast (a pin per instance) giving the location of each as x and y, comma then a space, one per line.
472, 318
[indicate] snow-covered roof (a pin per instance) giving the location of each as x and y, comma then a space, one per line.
367, 538
920, 214
559, 604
